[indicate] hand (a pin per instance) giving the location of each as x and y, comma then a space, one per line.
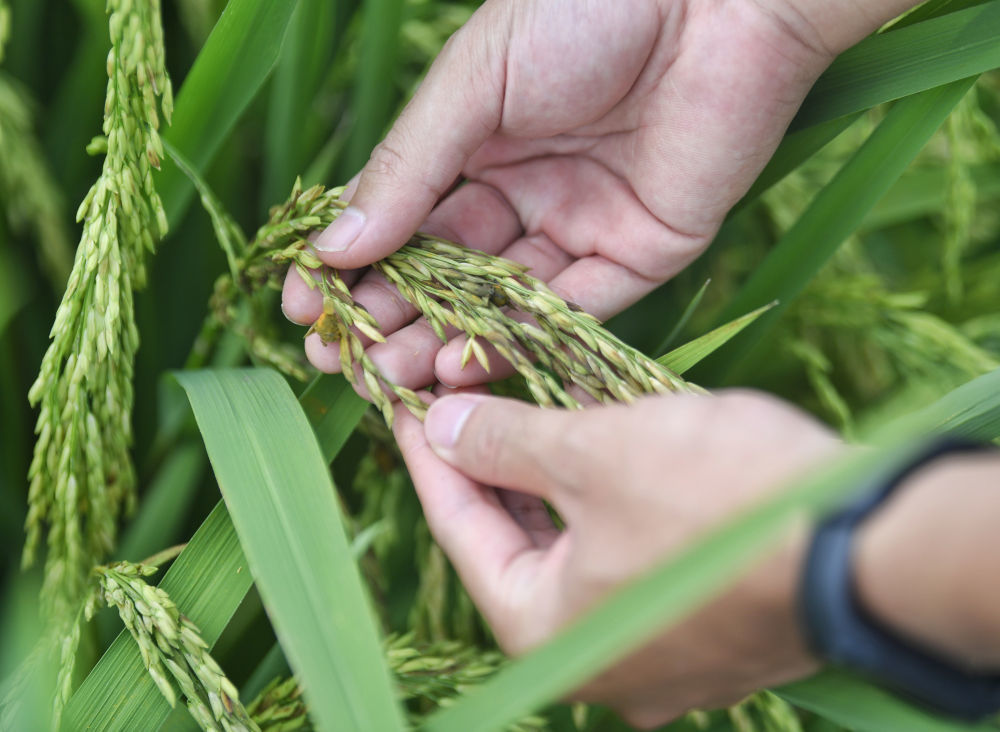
634, 486
600, 143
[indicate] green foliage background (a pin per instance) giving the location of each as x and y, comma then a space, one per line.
906, 309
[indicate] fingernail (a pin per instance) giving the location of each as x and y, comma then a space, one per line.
446, 419
339, 235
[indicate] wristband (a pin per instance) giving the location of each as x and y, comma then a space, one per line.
841, 631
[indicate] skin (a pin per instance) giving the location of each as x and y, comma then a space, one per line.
606, 159
636, 485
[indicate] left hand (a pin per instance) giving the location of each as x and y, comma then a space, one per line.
634, 486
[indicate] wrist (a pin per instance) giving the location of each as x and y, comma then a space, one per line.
830, 27
923, 563
770, 594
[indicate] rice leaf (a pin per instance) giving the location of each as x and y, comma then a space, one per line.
835, 213
678, 328
972, 410
165, 503
681, 359
854, 704
283, 504
902, 62
306, 55
229, 70
334, 410
375, 85
882, 70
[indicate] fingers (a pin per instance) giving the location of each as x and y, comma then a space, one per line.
456, 108
474, 215
488, 548
509, 444
302, 304
531, 514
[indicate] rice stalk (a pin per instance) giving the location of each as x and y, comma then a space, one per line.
81, 475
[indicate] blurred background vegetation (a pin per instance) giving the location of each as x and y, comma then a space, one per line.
907, 309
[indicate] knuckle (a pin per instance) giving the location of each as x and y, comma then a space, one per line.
386, 159
491, 443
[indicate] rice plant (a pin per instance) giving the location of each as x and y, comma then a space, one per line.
857, 280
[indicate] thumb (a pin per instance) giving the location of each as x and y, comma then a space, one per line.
456, 108
509, 444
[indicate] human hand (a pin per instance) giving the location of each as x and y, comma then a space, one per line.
634, 485
601, 144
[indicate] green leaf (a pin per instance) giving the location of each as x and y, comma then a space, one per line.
118, 693
207, 582
334, 410
229, 70
14, 289
654, 602
795, 148
932, 9
972, 410
681, 359
924, 192
835, 213
165, 503
675, 332
854, 704
278, 489
902, 62
375, 87
306, 55
873, 73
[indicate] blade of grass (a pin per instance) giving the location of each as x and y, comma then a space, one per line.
795, 149
925, 192
682, 359
823, 115
834, 214
165, 504
310, 43
852, 703
972, 410
333, 409
229, 70
675, 332
376, 93
933, 9
14, 291
282, 501
661, 598
902, 62
118, 692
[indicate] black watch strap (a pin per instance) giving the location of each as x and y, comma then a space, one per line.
840, 630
